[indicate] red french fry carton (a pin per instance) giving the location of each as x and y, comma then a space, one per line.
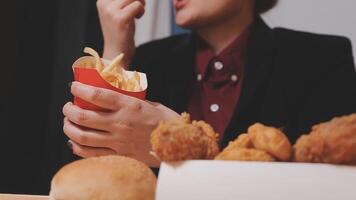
85, 72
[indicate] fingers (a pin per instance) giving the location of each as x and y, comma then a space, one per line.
87, 118
117, 3
119, 143
133, 10
87, 137
119, 8
122, 4
86, 152
103, 98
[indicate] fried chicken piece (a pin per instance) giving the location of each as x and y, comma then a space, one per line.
309, 148
242, 141
271, 140
242, 149
211, 138
184, 140
244, 154
329, 142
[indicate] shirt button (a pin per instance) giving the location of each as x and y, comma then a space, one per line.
214, 107
199, 77
234, 78
218, 65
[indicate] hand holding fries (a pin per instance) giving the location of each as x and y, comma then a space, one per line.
117, 19
110, 115
124, 129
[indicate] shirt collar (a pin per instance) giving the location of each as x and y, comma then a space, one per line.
236, 50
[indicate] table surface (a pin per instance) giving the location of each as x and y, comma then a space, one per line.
22, 197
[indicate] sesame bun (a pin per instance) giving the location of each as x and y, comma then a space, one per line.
104, 178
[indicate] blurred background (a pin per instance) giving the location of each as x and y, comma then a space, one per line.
41, 39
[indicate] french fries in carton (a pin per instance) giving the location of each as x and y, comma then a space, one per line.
97, 72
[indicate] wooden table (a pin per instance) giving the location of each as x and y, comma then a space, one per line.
22, 197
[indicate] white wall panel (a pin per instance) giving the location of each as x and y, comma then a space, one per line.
155, 23
336, 17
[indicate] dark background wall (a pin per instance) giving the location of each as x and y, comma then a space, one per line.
40, 41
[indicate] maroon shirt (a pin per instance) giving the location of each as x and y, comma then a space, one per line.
219, 81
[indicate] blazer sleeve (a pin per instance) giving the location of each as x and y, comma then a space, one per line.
334, 89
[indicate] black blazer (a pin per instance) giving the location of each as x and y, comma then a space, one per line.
292, 79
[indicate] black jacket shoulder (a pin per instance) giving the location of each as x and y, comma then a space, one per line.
318, 53
311, 38
324, 52
149, 52
162, 44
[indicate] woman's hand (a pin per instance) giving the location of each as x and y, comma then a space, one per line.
124, 130
117, 19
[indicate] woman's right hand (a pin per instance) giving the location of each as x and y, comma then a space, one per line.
117, 19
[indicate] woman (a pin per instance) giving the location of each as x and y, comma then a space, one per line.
231, 71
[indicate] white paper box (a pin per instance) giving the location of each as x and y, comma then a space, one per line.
232, 180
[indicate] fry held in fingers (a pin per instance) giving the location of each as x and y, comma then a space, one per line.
117, 20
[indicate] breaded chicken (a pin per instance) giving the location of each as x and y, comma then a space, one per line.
242, 141
244, 154
271, 140
329, 142
184, 140
309, 148
242, 149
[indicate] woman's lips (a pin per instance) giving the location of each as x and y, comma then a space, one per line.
179, 4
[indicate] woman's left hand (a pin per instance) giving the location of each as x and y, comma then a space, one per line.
124, 130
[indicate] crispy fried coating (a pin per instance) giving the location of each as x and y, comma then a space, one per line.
271, 140
329, 142
184, 140
309, 148
211, 138
242, 149
242, 141
244, 154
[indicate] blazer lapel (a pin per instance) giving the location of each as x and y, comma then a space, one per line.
257, 70
181, 73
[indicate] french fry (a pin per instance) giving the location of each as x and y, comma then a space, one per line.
114, 73
98, 64
115, 64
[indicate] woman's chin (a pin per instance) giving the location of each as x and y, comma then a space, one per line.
184, 22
